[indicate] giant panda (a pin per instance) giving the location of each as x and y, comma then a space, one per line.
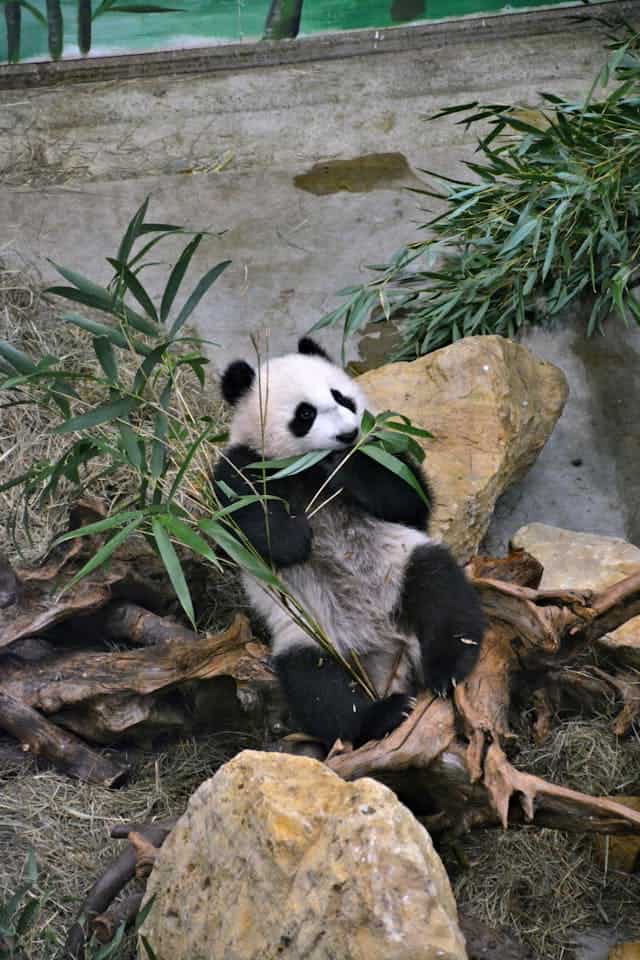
363, 565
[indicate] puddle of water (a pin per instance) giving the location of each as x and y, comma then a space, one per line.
377, 343
372, 171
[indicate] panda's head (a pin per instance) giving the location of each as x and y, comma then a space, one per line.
293, 404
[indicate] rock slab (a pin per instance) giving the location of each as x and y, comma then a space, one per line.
277, 857
491, 405
626, 951
580, 561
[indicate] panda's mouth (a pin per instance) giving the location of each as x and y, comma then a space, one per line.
347, 438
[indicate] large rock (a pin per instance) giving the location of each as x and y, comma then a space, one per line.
624, 643
582, 561
626, 951
492, 406
276, 856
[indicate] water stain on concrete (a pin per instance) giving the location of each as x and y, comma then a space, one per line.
376, 344
372, 171
612, 372
403, 10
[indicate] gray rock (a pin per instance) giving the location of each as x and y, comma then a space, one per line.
573, 560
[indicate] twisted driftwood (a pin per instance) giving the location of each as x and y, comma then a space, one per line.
471, 780
450, 753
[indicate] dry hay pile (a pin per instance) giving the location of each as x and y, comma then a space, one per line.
29, 322
549, 886
66, 823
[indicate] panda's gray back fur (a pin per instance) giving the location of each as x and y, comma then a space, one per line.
351, 585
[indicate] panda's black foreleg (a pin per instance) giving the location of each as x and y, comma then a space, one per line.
328, 704
439, 604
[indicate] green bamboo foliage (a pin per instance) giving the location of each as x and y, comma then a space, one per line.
12, 19
551, 216
54, 25
84, 26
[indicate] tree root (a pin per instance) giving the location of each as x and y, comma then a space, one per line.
107, 887
105, 925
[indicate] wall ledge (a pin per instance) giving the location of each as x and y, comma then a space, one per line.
331, 46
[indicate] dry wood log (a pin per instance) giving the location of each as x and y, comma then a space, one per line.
114, 689
105, 890
155, 831
426, 744
128, 621
474, 782
44, 739
36, 592
592, 684
10, 585
105, 925
517, 567
77, 677
146, 854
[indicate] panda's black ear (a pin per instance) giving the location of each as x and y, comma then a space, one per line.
312, 349
237, 380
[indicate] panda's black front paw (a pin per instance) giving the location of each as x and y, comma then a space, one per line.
383, 716
443, 673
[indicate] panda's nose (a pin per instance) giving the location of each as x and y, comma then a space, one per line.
347, 438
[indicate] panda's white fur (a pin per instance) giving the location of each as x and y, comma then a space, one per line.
262, 419
352, 580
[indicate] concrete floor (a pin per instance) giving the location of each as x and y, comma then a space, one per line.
75, 161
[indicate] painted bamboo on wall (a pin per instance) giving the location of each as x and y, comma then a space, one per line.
54, 29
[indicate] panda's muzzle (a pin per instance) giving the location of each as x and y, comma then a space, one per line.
347, 438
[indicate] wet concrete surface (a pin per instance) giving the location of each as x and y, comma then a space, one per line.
299, 171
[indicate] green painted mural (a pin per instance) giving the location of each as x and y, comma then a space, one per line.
50, 29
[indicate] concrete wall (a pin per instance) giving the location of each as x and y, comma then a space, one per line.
228, 149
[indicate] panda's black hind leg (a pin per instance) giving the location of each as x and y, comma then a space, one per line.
328, 704
383, 716
441, 607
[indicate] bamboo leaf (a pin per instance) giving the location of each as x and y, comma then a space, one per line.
203, 285
100, 526
102, 414
290, 466
132, 232
185, 535
410, 429
18, 360
106, 550
395, 466
132, 446
186, 461
236, 551
518, 236
136, 289
176, 276
106, 358
114, 336
33, 10
173, 567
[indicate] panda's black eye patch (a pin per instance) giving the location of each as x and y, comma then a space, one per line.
344, 401
303, 419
